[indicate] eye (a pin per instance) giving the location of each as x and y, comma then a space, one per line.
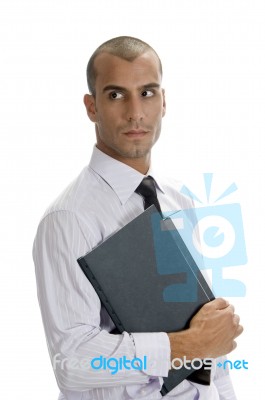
147, 93
115, 95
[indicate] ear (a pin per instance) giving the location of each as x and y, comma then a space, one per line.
90, 104
164, 103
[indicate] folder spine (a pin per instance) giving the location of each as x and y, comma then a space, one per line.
100, 292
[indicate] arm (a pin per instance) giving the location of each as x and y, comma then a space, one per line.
75, 327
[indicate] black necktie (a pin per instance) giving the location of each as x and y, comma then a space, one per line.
147, 190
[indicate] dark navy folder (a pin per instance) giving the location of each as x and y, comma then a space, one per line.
148, 281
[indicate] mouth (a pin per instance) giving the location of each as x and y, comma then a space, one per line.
136, 133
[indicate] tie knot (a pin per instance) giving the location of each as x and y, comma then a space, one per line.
147, 187
147, 190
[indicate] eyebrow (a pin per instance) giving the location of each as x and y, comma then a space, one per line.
123, 89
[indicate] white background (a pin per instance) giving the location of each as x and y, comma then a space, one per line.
213, 54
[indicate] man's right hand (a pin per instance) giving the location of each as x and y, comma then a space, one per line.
212, 332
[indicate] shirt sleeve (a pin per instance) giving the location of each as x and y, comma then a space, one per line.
223, 381
156, 348
72, 317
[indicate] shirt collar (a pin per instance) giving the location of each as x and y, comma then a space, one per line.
119, 176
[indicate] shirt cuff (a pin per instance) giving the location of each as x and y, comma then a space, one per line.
156, 348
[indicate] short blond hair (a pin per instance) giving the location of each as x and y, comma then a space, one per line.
126, 47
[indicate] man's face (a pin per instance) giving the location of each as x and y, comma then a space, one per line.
128, 106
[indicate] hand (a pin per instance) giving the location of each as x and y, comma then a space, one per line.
212, 332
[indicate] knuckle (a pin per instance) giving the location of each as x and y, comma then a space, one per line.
232, 307
240, 329
222, 302
230, 311
236, 320
232, 346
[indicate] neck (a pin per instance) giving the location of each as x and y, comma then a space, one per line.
140, 164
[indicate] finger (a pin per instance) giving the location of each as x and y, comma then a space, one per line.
219, 303
231, 308
234, 345
236, 319
238, 331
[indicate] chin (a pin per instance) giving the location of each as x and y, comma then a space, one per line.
135, 153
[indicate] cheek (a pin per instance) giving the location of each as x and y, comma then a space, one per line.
102, 118
106, 124
157, 109
157, 115
107, 116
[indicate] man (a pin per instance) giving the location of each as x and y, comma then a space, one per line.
126, 103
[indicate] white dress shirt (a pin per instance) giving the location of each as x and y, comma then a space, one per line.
99, 202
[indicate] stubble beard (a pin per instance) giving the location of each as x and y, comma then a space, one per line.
137, 152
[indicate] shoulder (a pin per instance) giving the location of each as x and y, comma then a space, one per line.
79, 196
73, 215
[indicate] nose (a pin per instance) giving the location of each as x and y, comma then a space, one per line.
134, 110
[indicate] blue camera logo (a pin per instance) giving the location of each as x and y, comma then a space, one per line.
216, 241
214, 236
217, 238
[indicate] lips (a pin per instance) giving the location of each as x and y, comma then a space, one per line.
136, 133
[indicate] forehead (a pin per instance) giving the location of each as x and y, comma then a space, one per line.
113, 70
